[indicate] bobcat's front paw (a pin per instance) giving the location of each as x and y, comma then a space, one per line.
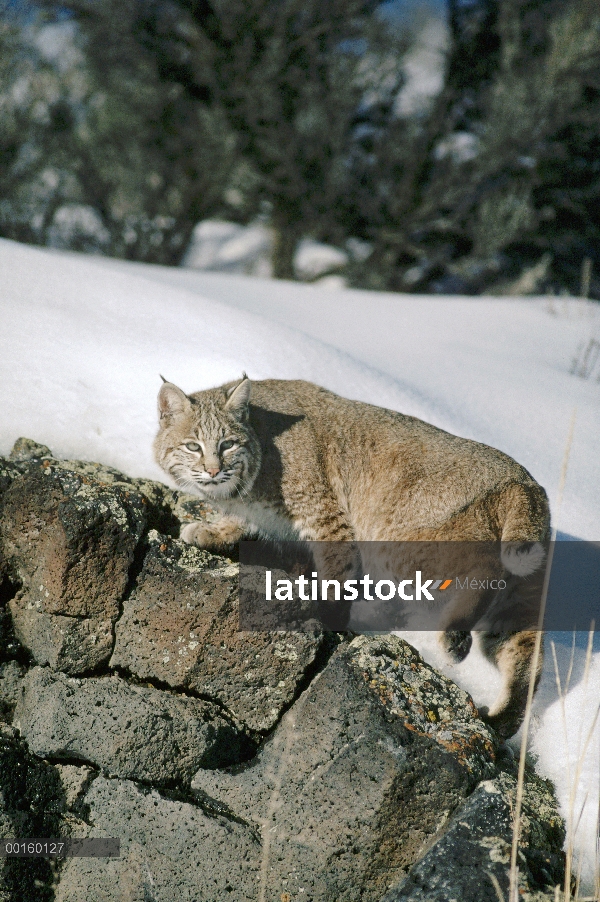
219, 535
456, 643
197, 534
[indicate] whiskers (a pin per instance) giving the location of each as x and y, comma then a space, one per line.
242, 491
183, 477
189, 485
230, 482
225, 486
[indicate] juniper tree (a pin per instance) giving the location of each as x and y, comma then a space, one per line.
533, 186
287, 75
131, 152
26, 110
503, 172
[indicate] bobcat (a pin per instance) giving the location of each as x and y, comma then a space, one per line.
288, 460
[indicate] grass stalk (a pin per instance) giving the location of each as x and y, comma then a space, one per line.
514, 867
572, 825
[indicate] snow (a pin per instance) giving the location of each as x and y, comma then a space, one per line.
77, 222
224, 246
564, 734
313, 259
495, 370
218, 245
85, 338
56, 43
424, 66
461, 146
84, 343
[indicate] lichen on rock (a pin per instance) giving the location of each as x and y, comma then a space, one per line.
426, 701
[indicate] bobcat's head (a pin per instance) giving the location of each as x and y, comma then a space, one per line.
205, 442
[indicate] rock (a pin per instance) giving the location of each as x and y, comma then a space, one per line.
9, 645
27, 449
471, 860
361, 775
22, 454
178, 593
11, 682
159, 501
70, 541
127, 731
187, 508
166, 510
375, 778
65, 643
30, 806
9, 470
75, 781
257, 675
180, 626
170, 850
68, 535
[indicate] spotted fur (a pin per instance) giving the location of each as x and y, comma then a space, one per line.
291, 460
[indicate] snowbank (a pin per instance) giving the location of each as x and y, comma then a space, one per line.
227, 247
497, 370
83, 346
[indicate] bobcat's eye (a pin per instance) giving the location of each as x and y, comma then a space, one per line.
227, 445
192, 446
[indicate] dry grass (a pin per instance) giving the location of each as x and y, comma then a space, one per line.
586, 364
569, 892
574, 778
514, 866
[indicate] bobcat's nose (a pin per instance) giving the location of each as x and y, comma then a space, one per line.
212, 471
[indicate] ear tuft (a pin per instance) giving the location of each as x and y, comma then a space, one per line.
171, 401
162, 377
238, 397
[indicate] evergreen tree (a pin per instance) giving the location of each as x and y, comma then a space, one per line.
114, 161
503, 173
287, 75
28, 109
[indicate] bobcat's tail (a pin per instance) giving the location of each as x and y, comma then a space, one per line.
522, 558
525, 517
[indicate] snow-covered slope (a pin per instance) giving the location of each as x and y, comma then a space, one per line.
496, 369
84, 339
83, 345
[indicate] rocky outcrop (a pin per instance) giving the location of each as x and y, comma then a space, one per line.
471, 859
32, 803
179, 627
170, 850
363, 771
127, 731
231, 765
70, 542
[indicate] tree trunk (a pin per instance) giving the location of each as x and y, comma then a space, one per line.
285, 239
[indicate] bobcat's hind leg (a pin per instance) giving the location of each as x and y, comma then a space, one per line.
513, 655
213, 536
456, 643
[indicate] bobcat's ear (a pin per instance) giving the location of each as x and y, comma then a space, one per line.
238, 397
171, 401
